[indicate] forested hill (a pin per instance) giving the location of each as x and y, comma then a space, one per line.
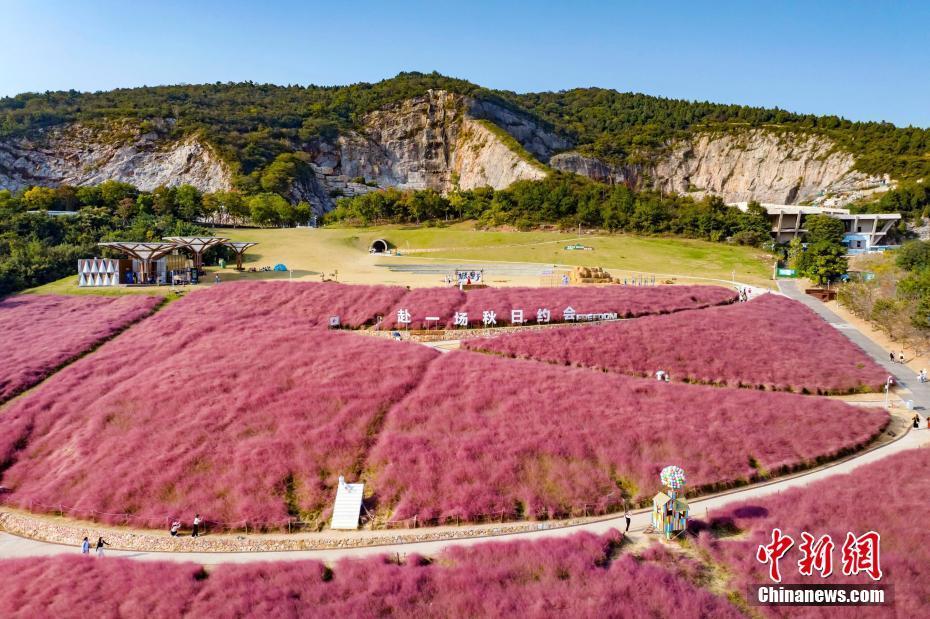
251, 124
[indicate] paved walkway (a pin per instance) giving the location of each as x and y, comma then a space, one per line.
12, 546
904, 376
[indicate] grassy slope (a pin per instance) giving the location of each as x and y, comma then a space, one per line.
311, 252
318, 249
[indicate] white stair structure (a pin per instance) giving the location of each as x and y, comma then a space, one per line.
348, 505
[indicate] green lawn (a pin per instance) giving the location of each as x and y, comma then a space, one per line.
317, 249
344, 251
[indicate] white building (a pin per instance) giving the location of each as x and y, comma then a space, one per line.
865, 232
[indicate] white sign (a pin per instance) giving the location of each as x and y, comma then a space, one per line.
543, 315
489, 317
516, 316
469, 277
403, 316
334, 321
601, 316
348, 505
568, 314
461, 319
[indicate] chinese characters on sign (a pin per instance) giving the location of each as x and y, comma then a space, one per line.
859, 554
489, 318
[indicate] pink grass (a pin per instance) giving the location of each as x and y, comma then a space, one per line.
770, 342
888, 496
576, 576
225, 404
485, 435
39, 333
625, 301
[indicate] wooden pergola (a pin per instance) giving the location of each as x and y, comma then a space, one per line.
145, 253
239, 247
197, 245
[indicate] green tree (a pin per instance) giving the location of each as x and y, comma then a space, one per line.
265, 208
824, 262
824, 229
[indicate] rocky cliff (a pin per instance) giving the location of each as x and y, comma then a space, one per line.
441, 139
82, 155
433, 142
780, 168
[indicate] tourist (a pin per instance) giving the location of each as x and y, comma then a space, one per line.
626, 514
216, 278
660, 375
196, 530
100, 544
922, 376
901, 357
891, 356
916, 421
175, 526
85, 547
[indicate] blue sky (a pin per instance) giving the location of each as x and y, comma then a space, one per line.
861, 60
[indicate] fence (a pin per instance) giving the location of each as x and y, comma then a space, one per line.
607, 504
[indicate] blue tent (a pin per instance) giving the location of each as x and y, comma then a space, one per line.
280, 267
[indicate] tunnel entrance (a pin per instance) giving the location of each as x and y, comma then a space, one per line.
378, 246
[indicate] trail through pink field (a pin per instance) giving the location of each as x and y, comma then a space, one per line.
886, 497
578, 576
39, 333
483, 435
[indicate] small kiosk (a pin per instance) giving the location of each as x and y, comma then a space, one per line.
669, 508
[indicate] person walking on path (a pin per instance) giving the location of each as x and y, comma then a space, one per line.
891, 356
100, 544
916, 421
85, 547
196, 531
901, 357
626, 514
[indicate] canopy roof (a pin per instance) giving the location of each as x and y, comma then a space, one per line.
139, 250
239, 246
197, 244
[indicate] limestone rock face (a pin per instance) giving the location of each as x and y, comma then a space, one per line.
598, 170
751, 165
441, 139
80, 155
764, 166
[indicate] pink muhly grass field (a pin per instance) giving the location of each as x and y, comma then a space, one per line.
40, 333
888, 496
485, 435
770, 342
307, 303
576, 576
227, 406
625, 301
423, 302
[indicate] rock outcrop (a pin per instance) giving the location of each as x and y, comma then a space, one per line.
434, 142
440, 140
82, 155
766, 166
